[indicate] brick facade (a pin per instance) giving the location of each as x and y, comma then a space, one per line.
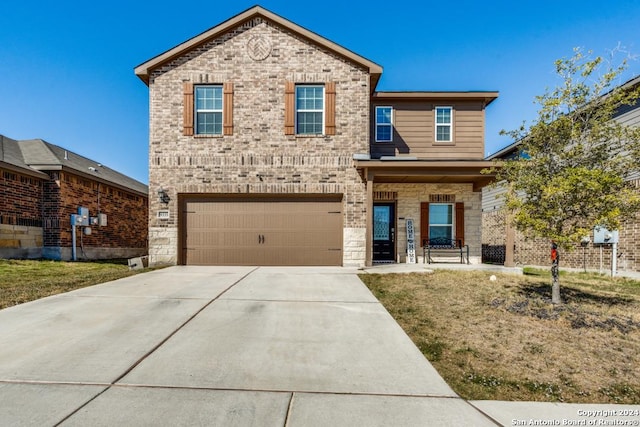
20, 215
257, 58
21, 201
35, 217
593, 257
258, 157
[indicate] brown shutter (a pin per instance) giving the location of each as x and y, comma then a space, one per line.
330, 119
227, 109
289, 108
460, 222
187, 105
424, 223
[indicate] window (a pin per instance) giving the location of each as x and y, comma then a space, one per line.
208, 105
443, 124
440, 221
309, 109
384, 124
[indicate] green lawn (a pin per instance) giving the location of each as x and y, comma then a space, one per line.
25, 280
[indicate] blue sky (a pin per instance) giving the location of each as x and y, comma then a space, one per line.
66, 67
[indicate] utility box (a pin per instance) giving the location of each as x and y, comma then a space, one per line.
602, 236
102, 220
82, 219
76, 220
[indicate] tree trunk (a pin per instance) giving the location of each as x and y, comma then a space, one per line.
555, 284
555, 275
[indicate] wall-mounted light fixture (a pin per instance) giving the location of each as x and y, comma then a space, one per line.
163, 196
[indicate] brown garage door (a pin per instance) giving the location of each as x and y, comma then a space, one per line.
262, 231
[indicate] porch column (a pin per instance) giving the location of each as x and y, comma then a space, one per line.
369, 223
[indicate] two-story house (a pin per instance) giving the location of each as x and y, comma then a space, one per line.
269, 145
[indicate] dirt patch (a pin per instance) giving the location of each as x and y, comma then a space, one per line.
535, 303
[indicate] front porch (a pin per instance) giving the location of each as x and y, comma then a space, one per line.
435, 199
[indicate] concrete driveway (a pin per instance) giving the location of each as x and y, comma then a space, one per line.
219, 346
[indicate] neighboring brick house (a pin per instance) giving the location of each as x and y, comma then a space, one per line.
42, 184
503, 245
270, 146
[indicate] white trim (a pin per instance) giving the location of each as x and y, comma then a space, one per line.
436, 124
323, 111
390, 124
214, 110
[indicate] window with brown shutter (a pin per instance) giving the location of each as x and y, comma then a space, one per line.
310, 109
457, 217
187, 109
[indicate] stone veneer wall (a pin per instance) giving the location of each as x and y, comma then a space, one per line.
408, 206
258, 157
18, 241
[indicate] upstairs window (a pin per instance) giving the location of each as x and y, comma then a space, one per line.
384, 124
207, 109
309, 109
208, 106
444, 124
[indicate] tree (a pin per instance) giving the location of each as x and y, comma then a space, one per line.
574, 160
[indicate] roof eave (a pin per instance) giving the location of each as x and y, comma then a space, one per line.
24, 171
486, 96
409, 164
89, 176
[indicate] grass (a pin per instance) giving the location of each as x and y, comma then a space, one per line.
22, 281
504, 340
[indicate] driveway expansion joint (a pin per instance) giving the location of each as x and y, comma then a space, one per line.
156, 347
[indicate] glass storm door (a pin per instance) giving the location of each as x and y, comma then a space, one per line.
384, 232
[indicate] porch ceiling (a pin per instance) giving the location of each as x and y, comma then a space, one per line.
427, 172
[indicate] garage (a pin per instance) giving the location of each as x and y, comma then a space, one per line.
262, 230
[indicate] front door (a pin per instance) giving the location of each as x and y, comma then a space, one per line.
384, 232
